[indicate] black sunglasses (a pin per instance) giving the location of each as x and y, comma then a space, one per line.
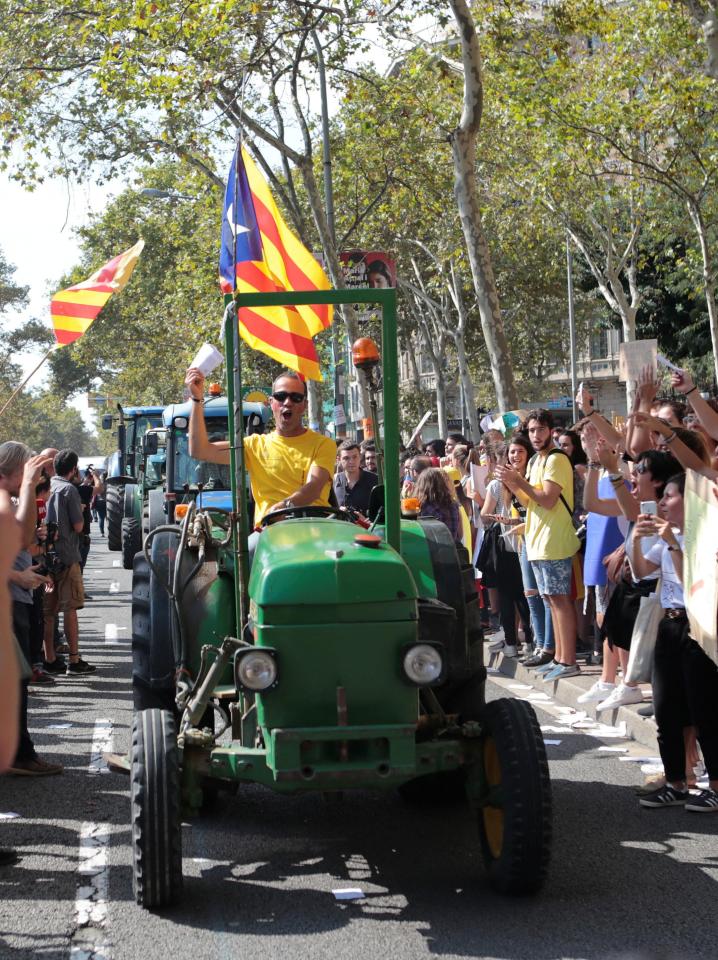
281, 395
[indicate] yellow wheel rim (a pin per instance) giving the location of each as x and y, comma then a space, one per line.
493, 816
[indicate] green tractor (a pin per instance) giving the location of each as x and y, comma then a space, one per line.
346, 659
129, 476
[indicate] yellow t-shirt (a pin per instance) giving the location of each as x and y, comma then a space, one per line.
278, 466
550, 534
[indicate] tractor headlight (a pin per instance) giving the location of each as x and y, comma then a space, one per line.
423, 664
256, 670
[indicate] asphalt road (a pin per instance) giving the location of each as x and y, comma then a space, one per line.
259, 871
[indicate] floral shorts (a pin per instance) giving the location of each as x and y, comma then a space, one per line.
554, 577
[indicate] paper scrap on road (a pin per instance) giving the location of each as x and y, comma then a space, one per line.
605, 749
116, 563
641, 759
605, 730
10, 816
114, 587
349, 893
59, 726
551, 743
111, 631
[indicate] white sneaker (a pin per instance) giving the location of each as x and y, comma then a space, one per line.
496, 646
509, 650
621, 696
599, 691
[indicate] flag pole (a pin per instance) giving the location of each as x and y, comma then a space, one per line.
28, 377
234, 381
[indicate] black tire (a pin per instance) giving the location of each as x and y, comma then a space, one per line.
154, 661
115, 499
514, 811
131, 541
156, 515
156, 800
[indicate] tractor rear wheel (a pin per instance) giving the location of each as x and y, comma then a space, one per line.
514, 811
115, 499
156, 799
131, 541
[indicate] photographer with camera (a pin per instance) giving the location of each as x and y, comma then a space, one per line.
64, 508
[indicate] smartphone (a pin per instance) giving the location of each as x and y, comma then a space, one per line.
649, 506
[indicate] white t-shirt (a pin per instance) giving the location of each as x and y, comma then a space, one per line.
671, 586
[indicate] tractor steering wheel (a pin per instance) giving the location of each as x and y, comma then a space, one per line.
295, 512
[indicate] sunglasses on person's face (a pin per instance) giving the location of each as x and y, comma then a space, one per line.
281, 395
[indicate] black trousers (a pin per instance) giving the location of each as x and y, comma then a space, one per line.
685, 693
21, 628
512, 597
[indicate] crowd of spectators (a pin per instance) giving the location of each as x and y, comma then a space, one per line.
569, 529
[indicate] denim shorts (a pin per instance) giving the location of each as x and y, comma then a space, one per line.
554, 577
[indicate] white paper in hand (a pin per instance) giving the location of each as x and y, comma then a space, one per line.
207, 358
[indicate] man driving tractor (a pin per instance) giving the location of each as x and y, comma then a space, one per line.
290, 467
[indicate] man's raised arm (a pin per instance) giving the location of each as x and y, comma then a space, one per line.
200, 446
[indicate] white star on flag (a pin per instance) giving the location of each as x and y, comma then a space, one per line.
235, 227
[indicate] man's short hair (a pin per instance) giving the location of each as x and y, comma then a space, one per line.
544, 417
367, 445
13, 456
290, 375
349, 445
65, 462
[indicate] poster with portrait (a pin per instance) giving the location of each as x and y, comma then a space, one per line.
368, 268
700, 569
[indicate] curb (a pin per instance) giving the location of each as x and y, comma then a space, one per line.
566, 692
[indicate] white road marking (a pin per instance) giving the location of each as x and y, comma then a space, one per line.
89, 941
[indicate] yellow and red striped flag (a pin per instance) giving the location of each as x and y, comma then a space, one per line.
269, 258
74, 309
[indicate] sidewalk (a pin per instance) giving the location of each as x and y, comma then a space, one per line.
567, 692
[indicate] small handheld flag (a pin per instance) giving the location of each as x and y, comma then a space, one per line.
269, 259
74, 309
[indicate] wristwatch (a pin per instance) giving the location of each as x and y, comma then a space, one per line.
288, 503
676, 547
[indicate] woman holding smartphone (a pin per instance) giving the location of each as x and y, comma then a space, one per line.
685, 679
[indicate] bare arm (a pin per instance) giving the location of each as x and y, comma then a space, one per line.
646, 392
200, 446
488, 508
585, 401
26, 514
545, 496
683, 383
308, 492
644, 528
687, 458
595, 504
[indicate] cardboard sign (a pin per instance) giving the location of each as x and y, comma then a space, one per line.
479, 475
636, 355
700, 579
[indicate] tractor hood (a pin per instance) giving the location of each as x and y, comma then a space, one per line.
219, 499
318, 566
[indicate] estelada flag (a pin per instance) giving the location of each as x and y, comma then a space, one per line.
74, 309
269, 259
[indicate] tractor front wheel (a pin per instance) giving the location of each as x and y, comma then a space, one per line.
514, 800
156, 800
